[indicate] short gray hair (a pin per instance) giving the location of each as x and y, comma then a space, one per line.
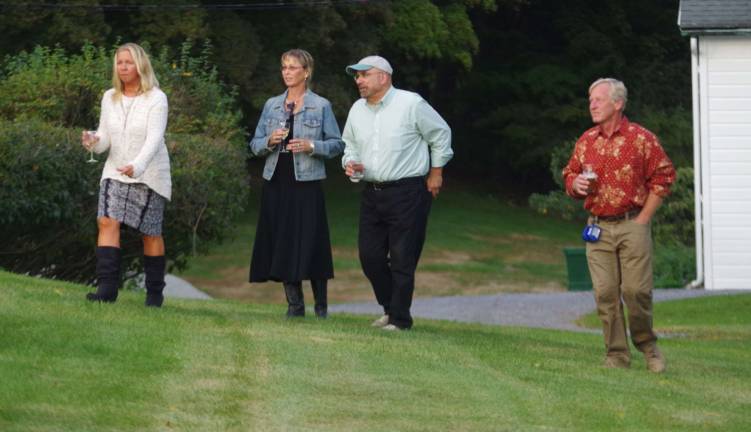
617, 92
305, 59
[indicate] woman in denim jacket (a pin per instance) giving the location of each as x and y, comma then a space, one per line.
296, 132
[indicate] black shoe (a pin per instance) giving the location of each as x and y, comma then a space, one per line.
107, 275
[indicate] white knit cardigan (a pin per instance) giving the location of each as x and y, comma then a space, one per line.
135, 136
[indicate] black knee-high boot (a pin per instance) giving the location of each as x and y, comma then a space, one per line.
153, 267
319, 294
107, 274
295, 300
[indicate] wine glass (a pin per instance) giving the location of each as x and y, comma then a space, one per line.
284, 126
357, 175
90, 140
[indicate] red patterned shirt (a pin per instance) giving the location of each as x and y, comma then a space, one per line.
629, 165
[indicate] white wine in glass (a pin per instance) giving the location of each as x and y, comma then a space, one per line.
284, 126
90, 138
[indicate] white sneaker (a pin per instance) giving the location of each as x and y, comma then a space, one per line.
391, 327
381, 322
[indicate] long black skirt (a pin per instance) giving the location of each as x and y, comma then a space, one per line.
292, 236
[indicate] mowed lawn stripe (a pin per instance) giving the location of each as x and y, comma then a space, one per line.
221, 365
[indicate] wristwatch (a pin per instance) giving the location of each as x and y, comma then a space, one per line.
312, 147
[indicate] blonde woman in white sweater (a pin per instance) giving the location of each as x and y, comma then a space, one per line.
136, 182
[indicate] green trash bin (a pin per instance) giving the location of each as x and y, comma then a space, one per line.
578, 270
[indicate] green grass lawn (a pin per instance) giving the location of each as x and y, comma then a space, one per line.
220, 365
476, 244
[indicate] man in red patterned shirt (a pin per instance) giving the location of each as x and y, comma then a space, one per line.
622, 173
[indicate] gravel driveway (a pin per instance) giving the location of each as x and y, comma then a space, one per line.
556, 310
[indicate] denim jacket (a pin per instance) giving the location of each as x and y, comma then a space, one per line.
315, 121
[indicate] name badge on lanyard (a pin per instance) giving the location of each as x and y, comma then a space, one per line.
591, 233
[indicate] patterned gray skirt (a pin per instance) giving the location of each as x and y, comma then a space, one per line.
132, 204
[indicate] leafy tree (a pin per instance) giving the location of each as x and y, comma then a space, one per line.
528, 87
25, 25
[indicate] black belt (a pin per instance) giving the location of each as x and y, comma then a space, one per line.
617, 218
390, 184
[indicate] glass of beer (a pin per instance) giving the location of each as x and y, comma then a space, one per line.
589, 174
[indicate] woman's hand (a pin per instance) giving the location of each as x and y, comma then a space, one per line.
89, 139
277, 137
127, 170
299, 145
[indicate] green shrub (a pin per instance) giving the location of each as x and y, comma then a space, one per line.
49, 85
674, 265
48, 201
49, 194
199, 102
674, 221
556, 203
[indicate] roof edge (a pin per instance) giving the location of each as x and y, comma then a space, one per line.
713, 31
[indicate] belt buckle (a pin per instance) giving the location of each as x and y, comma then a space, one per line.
376, 187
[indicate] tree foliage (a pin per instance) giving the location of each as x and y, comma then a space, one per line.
527, 90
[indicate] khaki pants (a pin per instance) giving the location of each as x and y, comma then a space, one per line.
621, 267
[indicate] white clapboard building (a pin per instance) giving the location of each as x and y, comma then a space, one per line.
720, 32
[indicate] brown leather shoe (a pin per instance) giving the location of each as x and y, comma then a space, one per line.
654, 358
617, 362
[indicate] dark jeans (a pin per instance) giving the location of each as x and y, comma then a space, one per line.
393, 220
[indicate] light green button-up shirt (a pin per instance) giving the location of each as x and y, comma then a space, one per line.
400, 136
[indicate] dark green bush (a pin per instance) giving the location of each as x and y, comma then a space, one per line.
48, 193
556, 203
47, 201
49, 85
674, 265
674, 221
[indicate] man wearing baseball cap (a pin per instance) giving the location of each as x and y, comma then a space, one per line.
398, 144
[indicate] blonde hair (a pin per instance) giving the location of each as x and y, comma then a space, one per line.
617, 91
143, 67
305, 59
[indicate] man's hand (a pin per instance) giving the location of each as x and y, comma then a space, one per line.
352, 167
651, 205
435, 181
580, 185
